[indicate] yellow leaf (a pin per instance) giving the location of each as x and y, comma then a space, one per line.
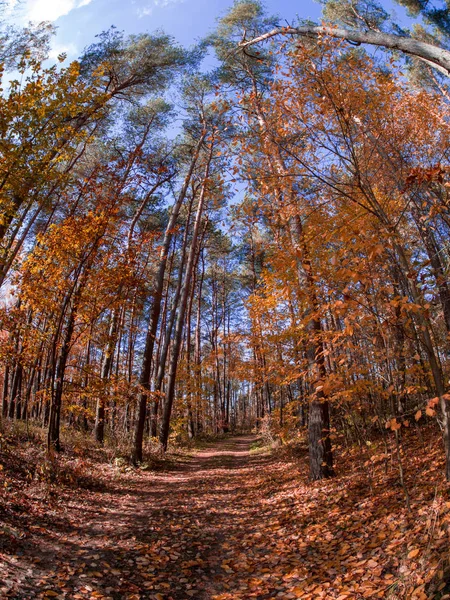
418, 415
413, 553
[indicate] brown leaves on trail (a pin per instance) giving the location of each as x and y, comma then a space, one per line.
229, 524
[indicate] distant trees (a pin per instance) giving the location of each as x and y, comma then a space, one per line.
137, 308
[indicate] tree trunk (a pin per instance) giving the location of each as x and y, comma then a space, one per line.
164, 435
53, 437
5, 392
156, 309
99, 429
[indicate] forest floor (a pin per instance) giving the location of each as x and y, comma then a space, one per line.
230, 521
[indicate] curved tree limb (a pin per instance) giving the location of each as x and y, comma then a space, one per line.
434, 56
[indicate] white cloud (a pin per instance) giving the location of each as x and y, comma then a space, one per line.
167, 2
45, 10
146, 11
57, 49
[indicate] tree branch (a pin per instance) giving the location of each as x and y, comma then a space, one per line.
432, 55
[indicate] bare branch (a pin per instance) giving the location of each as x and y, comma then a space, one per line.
432, 55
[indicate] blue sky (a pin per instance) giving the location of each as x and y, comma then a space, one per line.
78, 21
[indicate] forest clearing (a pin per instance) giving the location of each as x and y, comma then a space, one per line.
225, 301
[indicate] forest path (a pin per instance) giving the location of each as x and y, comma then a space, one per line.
204, 528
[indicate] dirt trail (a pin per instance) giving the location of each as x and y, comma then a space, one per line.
197, 531
229, 523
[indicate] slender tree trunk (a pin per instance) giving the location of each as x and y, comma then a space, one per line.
99, 429
178, 337
156, 309
57, 381
164, 347
5, 392
198, 348
53, 438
